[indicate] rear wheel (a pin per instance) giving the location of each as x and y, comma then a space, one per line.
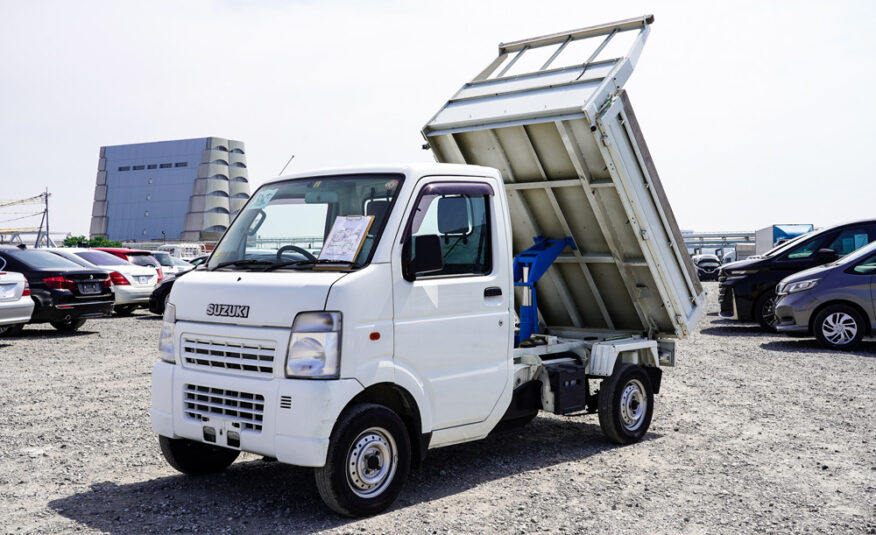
68, 325
368, 461
839, 327
11, 330
196, 458
124, 310
626, 404
765, 311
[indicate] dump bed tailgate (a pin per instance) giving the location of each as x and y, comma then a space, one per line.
575, 164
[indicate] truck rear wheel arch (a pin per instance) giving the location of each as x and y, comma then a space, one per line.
401, 402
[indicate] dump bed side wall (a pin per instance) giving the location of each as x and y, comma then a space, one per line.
563, 180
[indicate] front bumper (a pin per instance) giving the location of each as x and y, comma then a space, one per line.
794, 311
296, 419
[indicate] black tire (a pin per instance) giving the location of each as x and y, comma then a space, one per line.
196, 458
621, 415
368, 440
11, 330
839, 327
69, 325
124, 310
765, 311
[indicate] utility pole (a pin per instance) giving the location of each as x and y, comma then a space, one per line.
47, 218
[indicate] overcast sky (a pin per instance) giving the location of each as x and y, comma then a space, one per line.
755, 112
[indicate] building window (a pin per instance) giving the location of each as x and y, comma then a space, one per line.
125, 168
139, 167
181, 164
239, 164
237, 151
239, 179
166, 165
146, 213
152, 166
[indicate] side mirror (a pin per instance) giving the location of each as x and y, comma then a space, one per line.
826, 255
428, 256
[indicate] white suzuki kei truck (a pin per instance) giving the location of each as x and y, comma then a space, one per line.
351, 319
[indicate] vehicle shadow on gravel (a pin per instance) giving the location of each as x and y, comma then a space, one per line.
733, 329
810, 345
270, 497
34, 334
150, 317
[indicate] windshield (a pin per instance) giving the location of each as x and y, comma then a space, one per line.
42, 260
163, 258
782, 247
284, 224
143, 260
101, 258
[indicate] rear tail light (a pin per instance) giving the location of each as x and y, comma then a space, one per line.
107, 283
26, 291
160, 274
118, 279
59, 283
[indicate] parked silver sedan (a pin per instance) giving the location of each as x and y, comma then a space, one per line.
836, 302
16, 305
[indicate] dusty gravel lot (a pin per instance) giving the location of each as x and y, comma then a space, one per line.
752, 433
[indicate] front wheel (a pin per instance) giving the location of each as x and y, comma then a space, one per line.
68, 325
839, 327
368, 461
626, 404
196, 458
765, 311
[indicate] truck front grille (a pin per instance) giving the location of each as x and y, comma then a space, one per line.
251, 358
201, 402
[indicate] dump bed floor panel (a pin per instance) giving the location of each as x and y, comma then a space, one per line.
576, 165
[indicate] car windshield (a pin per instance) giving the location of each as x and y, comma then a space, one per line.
42, 260
101, 258
164, 259
179, 263
284, 224
782, 247
143, 260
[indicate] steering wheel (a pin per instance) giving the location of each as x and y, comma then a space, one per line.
295, 248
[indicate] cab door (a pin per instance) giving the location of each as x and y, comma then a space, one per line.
453, 320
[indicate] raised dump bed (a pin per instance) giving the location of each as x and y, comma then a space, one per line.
550, 114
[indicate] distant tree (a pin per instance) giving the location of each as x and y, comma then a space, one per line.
97, 241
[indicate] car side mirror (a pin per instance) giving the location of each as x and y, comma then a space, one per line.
428, 256
826, 255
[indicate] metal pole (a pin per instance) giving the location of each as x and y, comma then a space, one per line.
47, 217
287, 165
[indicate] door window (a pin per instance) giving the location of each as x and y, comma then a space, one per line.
459, 215
804, 250
866, 266
852, 239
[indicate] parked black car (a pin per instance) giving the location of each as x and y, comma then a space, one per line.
64, 293
707, 266
747, 288
161, 293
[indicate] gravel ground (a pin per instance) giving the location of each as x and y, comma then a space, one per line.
752, 433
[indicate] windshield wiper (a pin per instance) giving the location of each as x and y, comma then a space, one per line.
242, 262
301, 263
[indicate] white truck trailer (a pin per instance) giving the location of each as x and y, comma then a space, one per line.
537, 266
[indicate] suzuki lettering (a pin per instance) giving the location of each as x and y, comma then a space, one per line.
229, 311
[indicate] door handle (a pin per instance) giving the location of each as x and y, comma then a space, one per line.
492, 291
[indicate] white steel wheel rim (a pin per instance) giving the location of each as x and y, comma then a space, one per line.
371, 462
839, 328
633, 405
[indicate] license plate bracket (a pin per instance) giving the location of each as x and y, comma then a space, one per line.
89, 288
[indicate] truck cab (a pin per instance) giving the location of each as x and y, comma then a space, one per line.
351, 319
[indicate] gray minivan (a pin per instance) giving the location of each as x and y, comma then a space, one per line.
835, 302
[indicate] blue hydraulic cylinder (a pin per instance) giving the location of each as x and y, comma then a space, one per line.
529, 266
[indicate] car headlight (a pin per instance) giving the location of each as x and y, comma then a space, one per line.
315, 346
741, 274
165, 338
799, 286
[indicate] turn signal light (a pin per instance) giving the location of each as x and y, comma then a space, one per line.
59, 283
118, 279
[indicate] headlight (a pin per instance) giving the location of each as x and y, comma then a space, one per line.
165, 338
799, 286
315, 346
741, 274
